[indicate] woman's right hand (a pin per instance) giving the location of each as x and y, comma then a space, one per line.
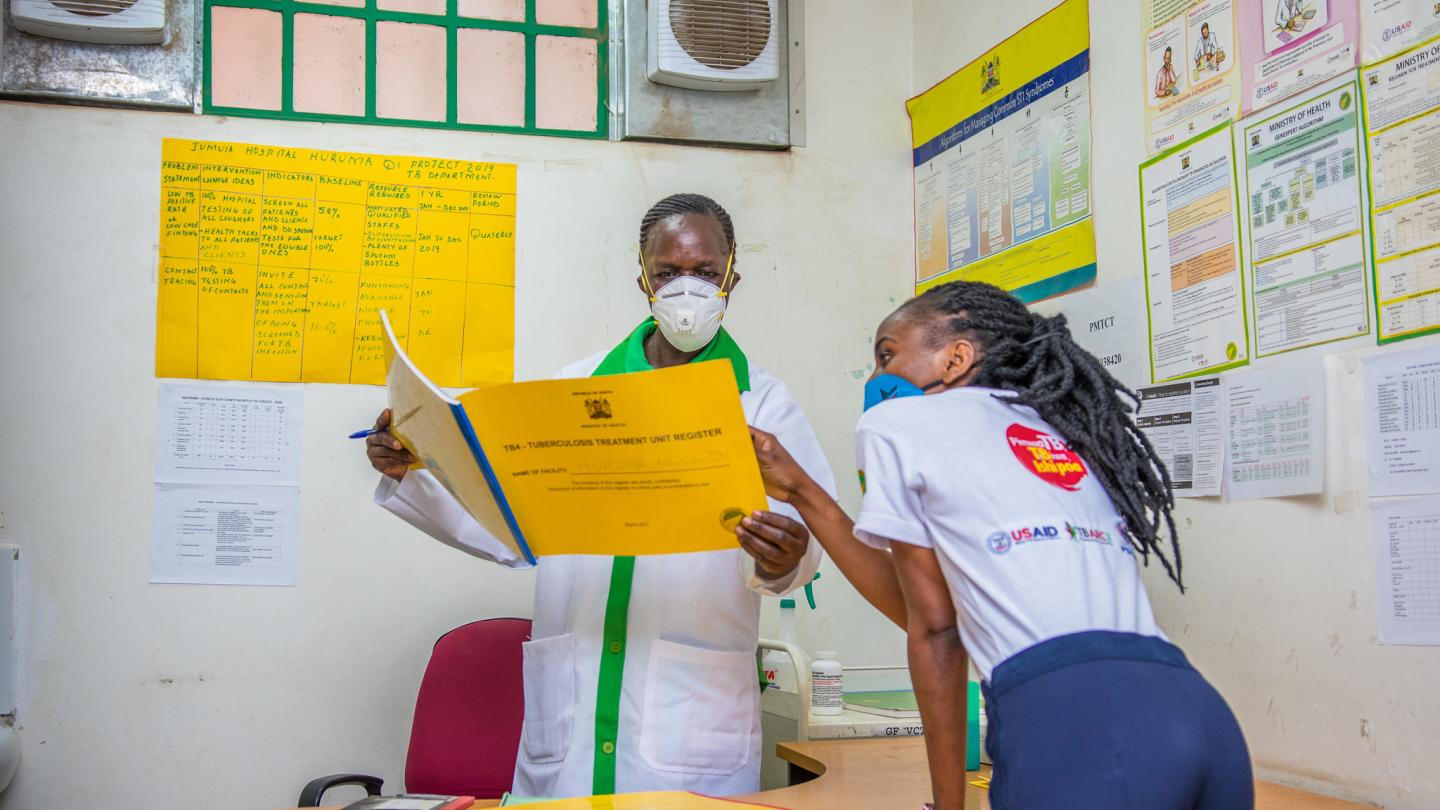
387, 455
784, 477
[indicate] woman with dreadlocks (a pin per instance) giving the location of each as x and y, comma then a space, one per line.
1002, 516
641, 674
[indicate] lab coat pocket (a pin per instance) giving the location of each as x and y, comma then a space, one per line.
700, 709
549, 697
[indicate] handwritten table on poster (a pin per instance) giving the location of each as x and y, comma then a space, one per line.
275, 263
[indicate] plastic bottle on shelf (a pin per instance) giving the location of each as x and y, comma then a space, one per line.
779, 669
827, 684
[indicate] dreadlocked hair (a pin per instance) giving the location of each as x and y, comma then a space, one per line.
682, 204
1035, 360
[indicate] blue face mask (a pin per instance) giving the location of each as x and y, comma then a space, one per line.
883, 387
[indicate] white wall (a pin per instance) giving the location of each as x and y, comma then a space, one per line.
139, 695
1280, 612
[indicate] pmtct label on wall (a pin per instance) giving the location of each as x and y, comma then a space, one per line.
275, 263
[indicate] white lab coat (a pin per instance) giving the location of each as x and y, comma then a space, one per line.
690, 701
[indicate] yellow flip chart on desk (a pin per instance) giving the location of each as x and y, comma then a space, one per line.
654, 462
275, 262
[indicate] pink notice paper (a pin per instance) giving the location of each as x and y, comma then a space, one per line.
245, 52
574, 13
1287, 46
409, 71
329, 64
565, 83
413, 6
512, 10
490, 77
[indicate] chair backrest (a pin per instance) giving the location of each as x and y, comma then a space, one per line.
468, 715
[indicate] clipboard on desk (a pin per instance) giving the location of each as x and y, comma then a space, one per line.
411, 801
653, 462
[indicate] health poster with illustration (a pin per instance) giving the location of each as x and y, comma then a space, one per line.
1392, 26
1002, 164
1288, 46
1402, 130
1194, 293
276, 261
1306, 254
1191, 80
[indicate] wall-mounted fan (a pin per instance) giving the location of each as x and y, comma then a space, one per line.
115, 22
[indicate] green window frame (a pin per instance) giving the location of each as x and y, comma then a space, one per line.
452, 22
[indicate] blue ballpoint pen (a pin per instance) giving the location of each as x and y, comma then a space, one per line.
362, 434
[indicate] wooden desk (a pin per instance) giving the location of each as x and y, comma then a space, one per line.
858, 774
891, 774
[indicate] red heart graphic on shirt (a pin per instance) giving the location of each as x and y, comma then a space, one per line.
1046, 456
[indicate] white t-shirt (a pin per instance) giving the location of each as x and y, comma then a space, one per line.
1029, 542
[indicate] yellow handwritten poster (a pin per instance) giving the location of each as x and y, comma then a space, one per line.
275, 263
1002, 164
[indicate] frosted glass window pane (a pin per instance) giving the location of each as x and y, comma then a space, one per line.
410, 71
490, 77
512, 10
329, 64
350, 3
565, 83
245, 58
577, 13
413, 6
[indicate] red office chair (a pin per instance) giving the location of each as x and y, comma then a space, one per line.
466, 732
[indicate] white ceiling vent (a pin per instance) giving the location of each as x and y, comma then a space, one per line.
114, 22
714, 44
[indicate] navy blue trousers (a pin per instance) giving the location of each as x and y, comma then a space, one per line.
1112, 721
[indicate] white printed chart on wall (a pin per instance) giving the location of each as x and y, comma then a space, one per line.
1184, 421
1191, 79
1305, 252
227, 484
1402, 422
1392, 26
1402, 130
1275, 431
1193, 286
1406, 544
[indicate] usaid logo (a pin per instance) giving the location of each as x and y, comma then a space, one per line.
1001, 542
1266, 89
1395, 31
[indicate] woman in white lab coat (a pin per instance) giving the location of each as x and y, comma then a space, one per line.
641, 674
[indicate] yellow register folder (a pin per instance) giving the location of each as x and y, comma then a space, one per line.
655, 462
